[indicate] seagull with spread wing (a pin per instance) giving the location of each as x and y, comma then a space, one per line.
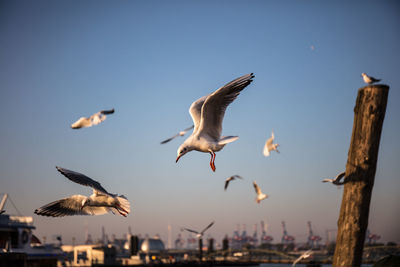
337, 179
305, 255
199, 234
260, 195
181, 133
233, 177
208, 113
100, 202
269, 145
92, 120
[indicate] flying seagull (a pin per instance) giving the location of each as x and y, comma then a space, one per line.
208, 113
337, 179
181, 133
369, 79
260, 195
92, 120
305, 255
269, 145
100, 202
199, 234
233, 177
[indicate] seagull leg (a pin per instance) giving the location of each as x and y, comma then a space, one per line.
212, 165
124, 213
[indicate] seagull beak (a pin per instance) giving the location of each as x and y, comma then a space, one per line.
177, 158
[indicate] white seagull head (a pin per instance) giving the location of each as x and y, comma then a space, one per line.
184, 148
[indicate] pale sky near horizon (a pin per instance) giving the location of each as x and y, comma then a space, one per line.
150, 60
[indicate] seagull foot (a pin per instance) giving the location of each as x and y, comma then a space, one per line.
212, 164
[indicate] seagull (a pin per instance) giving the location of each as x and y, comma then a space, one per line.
269, 145
181, 133
233, 177
337, 179
305, 255
198, 234
207, 113
369, 79
100, 202
92, 120
260, 195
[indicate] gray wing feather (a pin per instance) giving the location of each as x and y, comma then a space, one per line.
82, 180
213, 109
63, 207
195, 111
106, 112
208, 226
190, 230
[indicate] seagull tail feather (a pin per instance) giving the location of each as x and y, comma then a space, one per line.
124, 203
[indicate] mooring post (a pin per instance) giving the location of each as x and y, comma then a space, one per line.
369, 114
200, 249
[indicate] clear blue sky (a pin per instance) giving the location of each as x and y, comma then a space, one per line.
150, 60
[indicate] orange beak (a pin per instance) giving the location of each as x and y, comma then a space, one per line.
177, 158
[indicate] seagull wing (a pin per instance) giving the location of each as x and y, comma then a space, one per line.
190, 230
106, 112
195, 111
339, 176
213, 109
258, 190
296, 261
227, 182
208, 226
188, 129
169, 139
82, 180
82, 122
69, 206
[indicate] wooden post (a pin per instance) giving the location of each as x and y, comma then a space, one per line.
200, 249
369, 113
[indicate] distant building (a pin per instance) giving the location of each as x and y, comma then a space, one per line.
87, 255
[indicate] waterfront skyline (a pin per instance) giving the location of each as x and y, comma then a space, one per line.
150, 61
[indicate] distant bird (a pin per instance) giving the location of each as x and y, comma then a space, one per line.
233, 177
337, 179
305, 255
208, 113
92, 120
199, 234
269, 145
369, 79
260, 195
100, 202
181, 133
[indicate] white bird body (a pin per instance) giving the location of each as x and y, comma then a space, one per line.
305, 255
260, 195
95, 119
270, 146
337, 180
369, 79
100, 202
207, 113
